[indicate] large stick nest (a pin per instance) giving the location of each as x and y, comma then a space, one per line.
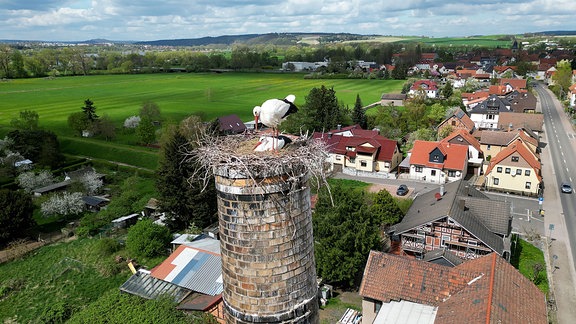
236, 153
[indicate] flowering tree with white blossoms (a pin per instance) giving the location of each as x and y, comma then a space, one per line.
29, 180
63, 204
92, 182
132, 122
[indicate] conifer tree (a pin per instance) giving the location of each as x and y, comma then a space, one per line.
358, 114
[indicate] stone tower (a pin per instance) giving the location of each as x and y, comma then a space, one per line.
267, 246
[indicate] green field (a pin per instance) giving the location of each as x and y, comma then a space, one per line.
178, 95
493, 41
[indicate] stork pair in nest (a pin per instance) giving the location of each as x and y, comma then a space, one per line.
271, 114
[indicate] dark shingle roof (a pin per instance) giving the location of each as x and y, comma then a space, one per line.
442, 257
471, 209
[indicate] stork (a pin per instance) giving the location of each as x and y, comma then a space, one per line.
274, 111
266, 143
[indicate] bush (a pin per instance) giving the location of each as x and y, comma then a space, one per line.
148, 240
108, 246
58, 312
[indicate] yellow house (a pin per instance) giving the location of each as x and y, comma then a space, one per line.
515, 169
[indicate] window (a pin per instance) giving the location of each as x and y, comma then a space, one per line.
436, 158
451, 173
473, 242
433, 172
363, 163
488, 147
527, 173
453, 123
418, 169
514, 159
518, 171
338, 158
507, 171
445, 238
377, 306
489, 116
496, 181
528, 185
499, 169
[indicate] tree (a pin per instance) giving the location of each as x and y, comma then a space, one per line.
29, 180
447, 90
150, 111
132, 122
90, 111
358, 114
15, 214
320, 112
28, 120
344, 235
63, 204
146, 132
185, 199
147, 240
386, 210
91, 181
562, 78
105, 128
78, 122
40, 146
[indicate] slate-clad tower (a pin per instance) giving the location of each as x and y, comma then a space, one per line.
267, 246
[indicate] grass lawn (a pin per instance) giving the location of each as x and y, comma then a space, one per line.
73, 273
524, 257
178, 94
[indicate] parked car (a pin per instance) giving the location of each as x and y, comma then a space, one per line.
566, 187
402, 190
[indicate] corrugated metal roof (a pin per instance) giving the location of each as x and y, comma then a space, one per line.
143, 285
191, 268
406, 312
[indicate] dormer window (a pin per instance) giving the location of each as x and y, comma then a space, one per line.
515, 159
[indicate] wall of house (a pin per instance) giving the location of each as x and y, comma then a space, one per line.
364, 163
491, 150
368, 313
428, 174
513, 182
483, 122
434, 234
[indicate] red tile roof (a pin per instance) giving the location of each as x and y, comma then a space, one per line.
517, 147
515, 83
424, 84
466, 136
456, 156
338, 144
483, 290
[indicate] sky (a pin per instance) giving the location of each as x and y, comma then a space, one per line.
123, 20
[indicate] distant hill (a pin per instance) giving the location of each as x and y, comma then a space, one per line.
252, 39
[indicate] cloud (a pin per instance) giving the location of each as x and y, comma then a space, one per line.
152, 20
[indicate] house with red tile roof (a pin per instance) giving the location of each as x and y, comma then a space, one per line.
475, 154
438, 162
484, 290
498, 71
516, 84
354, 151
515, 169
428, 88
458, 120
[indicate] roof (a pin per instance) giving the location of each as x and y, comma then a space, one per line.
464, 137
199, 302
192, 268
483, 218
405, 312
484, 290
463, 118
515, 83
498, 138
231, 123
144, 285
340, 144
94, 200
424, 84
51, 187
534, 122
456, 156
442, 257
492, 104
518, 147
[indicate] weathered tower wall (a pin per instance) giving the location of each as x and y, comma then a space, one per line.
267, 247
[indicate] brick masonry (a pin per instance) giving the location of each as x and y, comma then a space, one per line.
267, 249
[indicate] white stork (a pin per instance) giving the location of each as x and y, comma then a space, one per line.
266, 143
274, 111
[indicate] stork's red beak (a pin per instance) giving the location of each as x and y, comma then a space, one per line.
256, 122
257, 144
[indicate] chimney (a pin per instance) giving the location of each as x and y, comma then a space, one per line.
465, 191
339, 127
462, 204
330, 135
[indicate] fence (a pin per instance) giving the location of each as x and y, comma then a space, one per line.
18, 249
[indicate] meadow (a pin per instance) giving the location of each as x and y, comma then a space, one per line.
178, 95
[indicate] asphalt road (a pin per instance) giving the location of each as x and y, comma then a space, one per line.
560, 137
